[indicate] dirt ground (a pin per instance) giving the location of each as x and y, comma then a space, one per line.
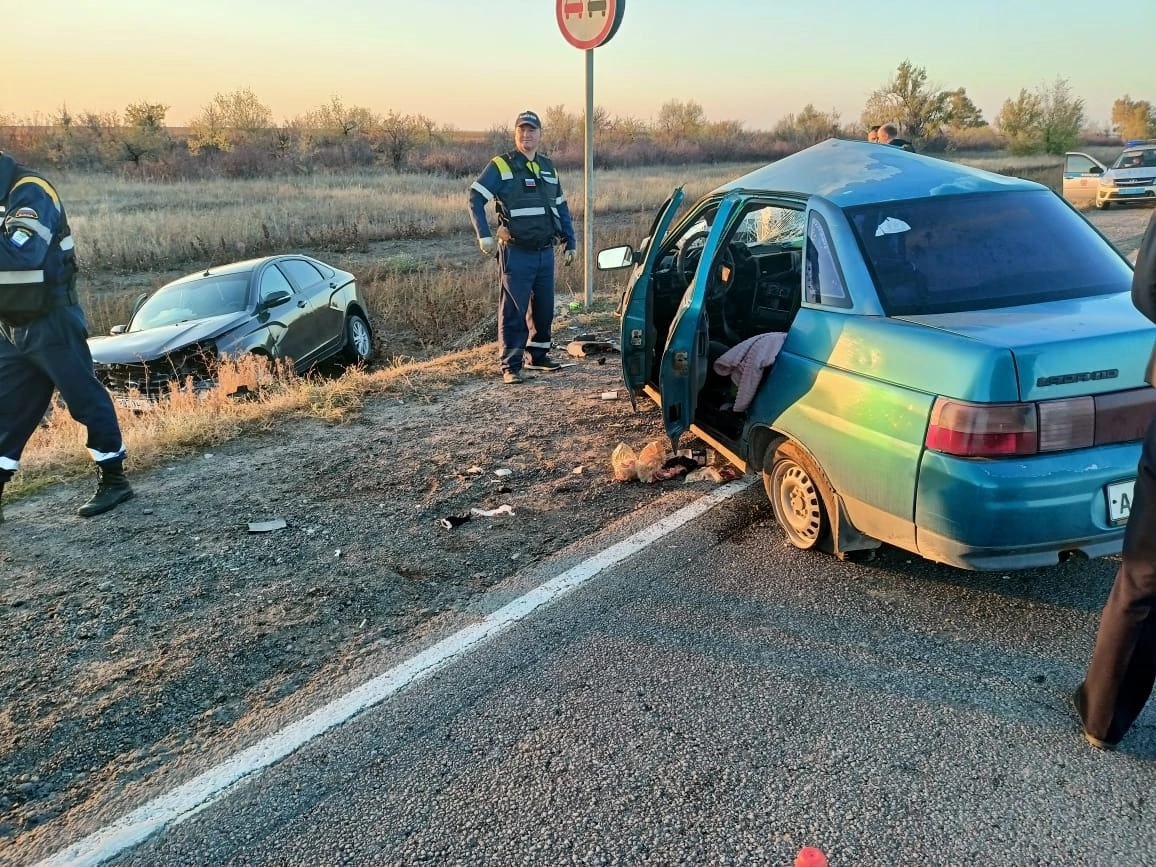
144, 643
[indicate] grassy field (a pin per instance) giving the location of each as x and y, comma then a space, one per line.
132, 236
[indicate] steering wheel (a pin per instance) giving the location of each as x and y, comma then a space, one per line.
684, 251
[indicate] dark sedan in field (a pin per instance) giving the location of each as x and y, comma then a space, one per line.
287, 308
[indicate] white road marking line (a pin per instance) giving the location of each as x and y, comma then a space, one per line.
198, 793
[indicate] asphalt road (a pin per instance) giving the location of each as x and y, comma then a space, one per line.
723, 699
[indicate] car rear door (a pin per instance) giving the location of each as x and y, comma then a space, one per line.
1081, 177
684, 362
638, 332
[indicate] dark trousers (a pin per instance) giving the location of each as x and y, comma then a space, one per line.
52, 353
1123, 666
526, 308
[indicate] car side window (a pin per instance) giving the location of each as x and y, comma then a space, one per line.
301, 272
273, 281
822, 279
1078, 164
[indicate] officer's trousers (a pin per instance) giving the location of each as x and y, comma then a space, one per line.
526, 308
1123, 667
52, 353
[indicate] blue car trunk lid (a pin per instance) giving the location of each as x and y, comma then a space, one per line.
1061, 348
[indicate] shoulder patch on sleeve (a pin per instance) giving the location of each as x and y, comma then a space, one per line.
29, 213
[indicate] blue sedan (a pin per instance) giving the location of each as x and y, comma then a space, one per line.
911, 351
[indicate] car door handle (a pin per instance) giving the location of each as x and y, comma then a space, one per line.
301, 303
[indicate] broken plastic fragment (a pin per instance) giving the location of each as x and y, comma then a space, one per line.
504, 509
267, 526
501, 474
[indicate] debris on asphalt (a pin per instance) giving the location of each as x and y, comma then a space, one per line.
267, 526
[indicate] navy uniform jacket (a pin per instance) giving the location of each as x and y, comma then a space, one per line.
37, 261
528, 198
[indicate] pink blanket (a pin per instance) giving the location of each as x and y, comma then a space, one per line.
745, 362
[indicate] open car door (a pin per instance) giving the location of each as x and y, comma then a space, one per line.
685, 362
638, 332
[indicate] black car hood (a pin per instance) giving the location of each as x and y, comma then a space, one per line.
153, 343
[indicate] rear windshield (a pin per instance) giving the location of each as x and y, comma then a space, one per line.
978, 252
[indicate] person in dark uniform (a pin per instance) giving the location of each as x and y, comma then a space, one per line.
533, 218
1123, 667
888, 133
44, 335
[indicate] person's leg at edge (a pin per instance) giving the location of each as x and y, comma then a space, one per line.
1123, 666
68, 363
25, 393
540, 317
512, 304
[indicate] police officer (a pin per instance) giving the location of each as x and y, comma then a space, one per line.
44, 335
533, 218
1123, 667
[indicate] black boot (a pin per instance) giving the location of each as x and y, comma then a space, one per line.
1, 502
112, 490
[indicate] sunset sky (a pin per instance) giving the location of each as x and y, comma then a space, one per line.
473, 65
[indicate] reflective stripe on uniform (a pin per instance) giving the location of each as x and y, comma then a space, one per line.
66, 243
34, 226
482, 191
15, 278
106, 456
9, 464
540, 345
527, 212
503, 168
43, 184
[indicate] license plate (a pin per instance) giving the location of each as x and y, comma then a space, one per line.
1119, 496
1132, 191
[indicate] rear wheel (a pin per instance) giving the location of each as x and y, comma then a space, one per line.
358, 340
795, 487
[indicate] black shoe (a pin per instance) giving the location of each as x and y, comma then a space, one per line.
112, 490
544, 364
1080, 703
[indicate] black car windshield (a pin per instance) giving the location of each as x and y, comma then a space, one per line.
215, 295
981, 251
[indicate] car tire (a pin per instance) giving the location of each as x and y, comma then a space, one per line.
358, 340
797, 490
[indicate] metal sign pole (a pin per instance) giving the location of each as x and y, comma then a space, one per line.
588, 214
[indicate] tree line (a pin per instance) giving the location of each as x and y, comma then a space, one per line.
235, 134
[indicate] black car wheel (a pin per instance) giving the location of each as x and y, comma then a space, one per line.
358, 339
795, 487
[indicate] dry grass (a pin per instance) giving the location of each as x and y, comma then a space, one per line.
126, 225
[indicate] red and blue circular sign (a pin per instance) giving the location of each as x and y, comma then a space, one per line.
588, 23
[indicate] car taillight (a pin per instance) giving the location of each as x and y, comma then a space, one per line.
989, 430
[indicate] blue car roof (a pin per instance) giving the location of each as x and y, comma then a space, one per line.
850, 173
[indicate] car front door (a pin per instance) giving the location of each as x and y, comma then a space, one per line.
685, 362
286, 313
1081, 178
638, 331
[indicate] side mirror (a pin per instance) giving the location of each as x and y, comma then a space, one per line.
118, 329
613, 258
1095, 170
277, 296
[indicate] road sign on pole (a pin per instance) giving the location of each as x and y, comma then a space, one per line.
586, 24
